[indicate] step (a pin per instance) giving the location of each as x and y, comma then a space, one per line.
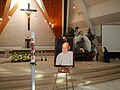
52, 74
75, 70
97, 74
88, 77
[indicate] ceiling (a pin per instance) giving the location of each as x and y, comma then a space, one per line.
2, 6
88, 3
53, 8
93, 2
54, 11
55, 3
112, 17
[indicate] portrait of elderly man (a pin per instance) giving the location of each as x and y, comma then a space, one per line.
65, 58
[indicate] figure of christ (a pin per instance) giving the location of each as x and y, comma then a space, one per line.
28, 12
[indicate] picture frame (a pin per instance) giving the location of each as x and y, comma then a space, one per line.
64, 61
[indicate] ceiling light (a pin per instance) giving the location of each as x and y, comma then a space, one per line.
36, 18
9, 17
45, 20
52, 25
1, 19
73, 7
49, 23
0, 23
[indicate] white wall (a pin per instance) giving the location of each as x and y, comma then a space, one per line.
110, 37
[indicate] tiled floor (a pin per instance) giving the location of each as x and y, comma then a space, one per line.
14, 69
110, 85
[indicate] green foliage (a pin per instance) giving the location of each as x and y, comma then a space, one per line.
80, 52
70, 33
90, 35
21, 57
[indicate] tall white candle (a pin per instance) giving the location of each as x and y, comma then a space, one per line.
33, 47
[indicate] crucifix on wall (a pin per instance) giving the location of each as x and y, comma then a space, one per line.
28, 12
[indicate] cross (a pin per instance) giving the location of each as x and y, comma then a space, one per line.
28, 12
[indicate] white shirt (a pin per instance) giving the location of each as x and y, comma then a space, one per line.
65, 59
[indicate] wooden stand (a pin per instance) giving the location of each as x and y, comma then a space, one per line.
66, 71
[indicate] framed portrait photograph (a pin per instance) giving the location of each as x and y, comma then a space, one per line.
64, 52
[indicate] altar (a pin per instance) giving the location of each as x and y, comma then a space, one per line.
27, 42
18, 53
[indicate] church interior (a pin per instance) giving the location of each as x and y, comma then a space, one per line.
29, 30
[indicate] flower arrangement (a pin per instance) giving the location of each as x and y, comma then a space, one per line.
84, 57
83, 44
21, 57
